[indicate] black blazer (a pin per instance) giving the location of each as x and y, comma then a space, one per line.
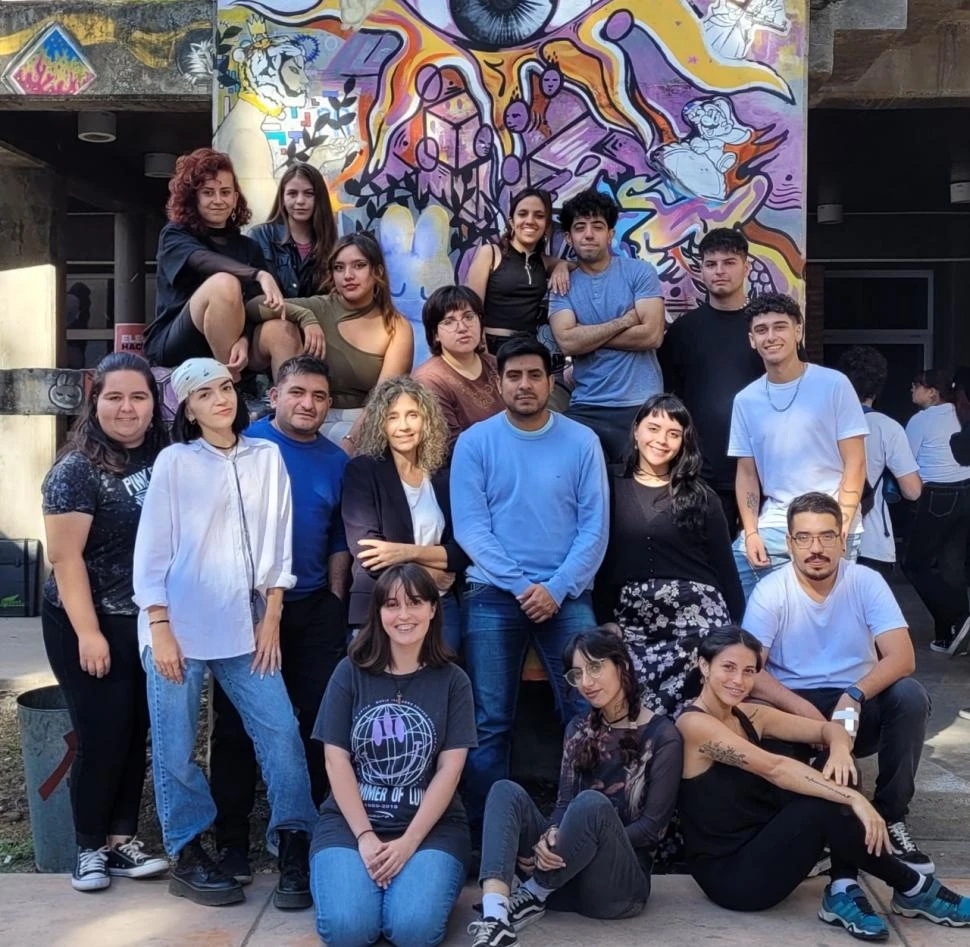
374, 507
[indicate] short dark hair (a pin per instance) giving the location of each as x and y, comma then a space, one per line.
302, 365
723, 240
371, 648
524, 345
866, 368
184, 431
589, 203
726, 637
773, 302
447, 299
815, 502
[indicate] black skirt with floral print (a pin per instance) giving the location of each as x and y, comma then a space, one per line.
663, 621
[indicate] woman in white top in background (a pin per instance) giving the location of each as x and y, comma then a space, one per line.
212, 559
396, 501
936, 557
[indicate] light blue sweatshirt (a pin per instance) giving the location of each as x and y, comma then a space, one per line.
531, 506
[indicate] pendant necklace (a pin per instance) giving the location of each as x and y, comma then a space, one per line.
793, 397
403, 682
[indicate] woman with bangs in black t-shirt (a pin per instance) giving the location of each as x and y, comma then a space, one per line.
92, 503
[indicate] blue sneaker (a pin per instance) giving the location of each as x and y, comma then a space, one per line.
852, 910
937, 904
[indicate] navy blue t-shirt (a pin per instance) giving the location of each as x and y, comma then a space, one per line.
316, 470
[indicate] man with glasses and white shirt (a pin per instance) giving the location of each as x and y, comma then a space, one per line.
836, 647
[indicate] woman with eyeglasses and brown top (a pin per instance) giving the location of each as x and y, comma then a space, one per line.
617, 790
462, 375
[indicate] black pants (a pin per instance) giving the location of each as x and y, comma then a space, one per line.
775, 862
613, 426
110, 719
936, 555
312, 640
603, 877
893, 725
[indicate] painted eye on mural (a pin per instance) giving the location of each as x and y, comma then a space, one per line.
500, 23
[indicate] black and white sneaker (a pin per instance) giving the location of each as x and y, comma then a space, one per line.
960, 642
524, 908
492, 933
127, 860
906, 850
91, 870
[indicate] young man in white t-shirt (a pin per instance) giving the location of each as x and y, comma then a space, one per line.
799, 427
836, 646
886, 450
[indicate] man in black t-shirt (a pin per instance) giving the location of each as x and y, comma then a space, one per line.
707, 358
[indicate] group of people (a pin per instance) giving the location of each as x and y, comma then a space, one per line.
460, 522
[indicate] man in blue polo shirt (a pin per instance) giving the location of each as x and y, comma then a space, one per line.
313, 628
611, 322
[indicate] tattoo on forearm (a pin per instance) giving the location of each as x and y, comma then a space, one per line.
723, 754
829, 786
751, 502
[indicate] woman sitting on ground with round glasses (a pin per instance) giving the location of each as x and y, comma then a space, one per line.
755, 823
617, 790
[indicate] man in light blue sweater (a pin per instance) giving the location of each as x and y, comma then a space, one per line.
530, 506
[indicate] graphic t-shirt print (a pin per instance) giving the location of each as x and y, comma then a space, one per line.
393, 746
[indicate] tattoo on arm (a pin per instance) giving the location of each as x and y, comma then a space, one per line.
723, 754
831, 787
751, 502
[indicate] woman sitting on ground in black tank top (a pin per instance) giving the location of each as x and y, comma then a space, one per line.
755, 823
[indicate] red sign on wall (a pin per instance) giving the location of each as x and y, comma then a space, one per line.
130, 337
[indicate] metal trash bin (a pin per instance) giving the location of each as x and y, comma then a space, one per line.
48, 744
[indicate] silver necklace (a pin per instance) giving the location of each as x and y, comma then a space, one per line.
793, 397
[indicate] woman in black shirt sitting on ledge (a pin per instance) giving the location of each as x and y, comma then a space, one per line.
669, 577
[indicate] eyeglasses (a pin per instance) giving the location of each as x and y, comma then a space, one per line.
574, 676
467, 318
828, 539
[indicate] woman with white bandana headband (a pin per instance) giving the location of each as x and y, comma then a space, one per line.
212, 560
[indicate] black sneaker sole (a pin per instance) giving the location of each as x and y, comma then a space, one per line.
213, 898
292, 900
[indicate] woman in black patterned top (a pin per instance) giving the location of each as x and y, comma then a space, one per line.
617, 790
92, 502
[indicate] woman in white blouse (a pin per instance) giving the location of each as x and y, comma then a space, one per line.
396, 502
212, 559
936, 555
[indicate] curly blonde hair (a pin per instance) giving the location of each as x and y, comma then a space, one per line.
433, 448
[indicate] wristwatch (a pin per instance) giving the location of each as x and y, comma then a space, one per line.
856, 694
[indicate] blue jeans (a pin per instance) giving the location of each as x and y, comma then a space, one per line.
497, 637
774, 539
185, 806
451, 613
353, 911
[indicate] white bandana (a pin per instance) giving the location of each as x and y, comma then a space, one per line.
193, 373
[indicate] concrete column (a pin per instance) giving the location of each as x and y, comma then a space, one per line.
32, 214
129, 272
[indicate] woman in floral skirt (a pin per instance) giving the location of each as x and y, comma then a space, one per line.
669, 577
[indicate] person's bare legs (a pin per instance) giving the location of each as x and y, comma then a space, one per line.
273, 343
216, 308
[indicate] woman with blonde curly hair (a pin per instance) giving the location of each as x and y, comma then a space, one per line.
396, 500
207, 270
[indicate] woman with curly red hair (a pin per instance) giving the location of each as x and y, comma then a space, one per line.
207, 270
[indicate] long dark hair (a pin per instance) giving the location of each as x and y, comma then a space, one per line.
599, 644
961, 393
371, 648
940, 380
690, 495
322, 223
505, 241
371, 251
87, 436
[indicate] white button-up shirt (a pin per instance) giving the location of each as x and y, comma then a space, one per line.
191, 553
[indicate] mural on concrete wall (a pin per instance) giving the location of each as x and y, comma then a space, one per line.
425, 116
